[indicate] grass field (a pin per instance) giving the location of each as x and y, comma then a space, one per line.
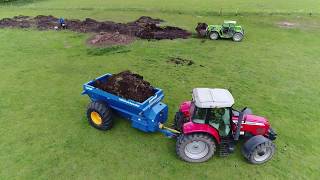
44, 133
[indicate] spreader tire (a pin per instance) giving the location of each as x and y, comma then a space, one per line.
237, 37
194, 148
214, 35
179, 120
258, 149
99, 115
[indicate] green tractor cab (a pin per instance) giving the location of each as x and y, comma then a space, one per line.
228, 30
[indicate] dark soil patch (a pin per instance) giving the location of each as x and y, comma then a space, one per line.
110, 39
144, 27
180, 61
44, 22
153, 31
16, 22
127, 85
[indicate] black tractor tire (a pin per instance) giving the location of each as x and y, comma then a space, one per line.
258, 149
237, 37
195, 148
99, 115
214, 35
179, 120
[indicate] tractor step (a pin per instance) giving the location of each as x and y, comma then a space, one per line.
226, 146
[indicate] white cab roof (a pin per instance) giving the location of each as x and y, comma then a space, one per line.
230, 22
212, 98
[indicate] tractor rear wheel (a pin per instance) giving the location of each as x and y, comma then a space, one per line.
258, 149
214, 35
237, 37
99, 115
197, 147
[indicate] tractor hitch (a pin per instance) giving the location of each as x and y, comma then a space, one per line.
169, 132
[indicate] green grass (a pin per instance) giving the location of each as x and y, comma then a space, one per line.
190, 6
44, 133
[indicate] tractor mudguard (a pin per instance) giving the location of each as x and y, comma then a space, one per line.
252, 143
191, 127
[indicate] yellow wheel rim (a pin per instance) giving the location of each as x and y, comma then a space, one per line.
96, 118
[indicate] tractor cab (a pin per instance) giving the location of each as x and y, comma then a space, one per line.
229, 24
213, 107
227, 29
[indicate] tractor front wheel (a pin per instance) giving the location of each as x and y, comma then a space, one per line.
214, 35
197, 147
258, 149
99, 115
237, 37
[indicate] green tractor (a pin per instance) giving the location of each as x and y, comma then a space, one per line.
229, 29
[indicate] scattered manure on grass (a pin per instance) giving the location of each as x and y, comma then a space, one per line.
105, 39
180, 61
286, 24
107, 50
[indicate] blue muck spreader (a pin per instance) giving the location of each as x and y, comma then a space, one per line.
147, 116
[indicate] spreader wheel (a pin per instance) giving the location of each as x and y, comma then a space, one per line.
258, 150
237, 37
99, 115
195, 147
214, 35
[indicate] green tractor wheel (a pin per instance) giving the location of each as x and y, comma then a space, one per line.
237, 37
214, 35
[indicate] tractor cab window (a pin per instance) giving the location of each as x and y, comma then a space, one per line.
199, 115
225, 28
228, 28
219, 118
225, 25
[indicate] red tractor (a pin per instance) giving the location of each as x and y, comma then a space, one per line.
209, 124
202, 126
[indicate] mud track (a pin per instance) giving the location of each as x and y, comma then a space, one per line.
144, 27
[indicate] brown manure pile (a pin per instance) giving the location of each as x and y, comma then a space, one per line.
127, 85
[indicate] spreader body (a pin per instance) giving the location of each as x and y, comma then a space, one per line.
145, 116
